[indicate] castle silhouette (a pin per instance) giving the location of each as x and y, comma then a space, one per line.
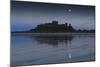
53, 27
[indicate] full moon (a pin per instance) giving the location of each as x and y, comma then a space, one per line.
69, 10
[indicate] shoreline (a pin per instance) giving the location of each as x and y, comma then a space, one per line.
53, 34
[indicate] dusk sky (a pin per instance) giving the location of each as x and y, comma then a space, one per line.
27, 15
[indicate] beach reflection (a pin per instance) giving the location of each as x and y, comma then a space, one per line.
29, 49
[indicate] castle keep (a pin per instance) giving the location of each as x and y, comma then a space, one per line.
53, 27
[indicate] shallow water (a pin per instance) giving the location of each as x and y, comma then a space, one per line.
33, 50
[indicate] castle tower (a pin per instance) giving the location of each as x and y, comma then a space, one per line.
70, 27
55, 22
66, 24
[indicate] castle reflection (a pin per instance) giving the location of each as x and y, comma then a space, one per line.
54, 40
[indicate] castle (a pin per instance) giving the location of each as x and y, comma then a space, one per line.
53, 27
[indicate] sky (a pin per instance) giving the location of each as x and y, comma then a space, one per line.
27, 15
